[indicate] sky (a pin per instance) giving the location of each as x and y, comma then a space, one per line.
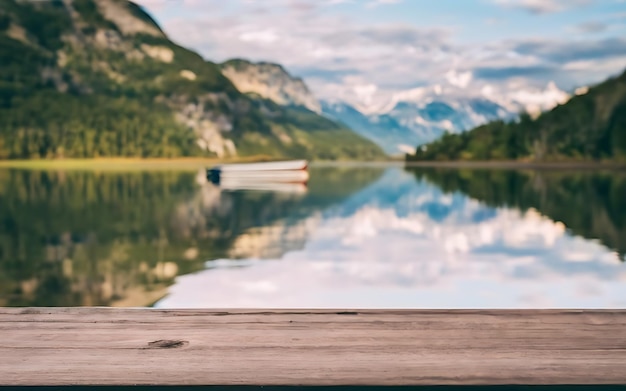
367, 51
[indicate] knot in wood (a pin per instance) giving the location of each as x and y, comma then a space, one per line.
167, 344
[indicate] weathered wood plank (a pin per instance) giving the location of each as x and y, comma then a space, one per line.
101, 346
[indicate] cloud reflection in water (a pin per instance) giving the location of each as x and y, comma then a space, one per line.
404, 244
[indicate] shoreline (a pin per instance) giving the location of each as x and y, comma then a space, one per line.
195, 163
160, 164
123, 164
517, 165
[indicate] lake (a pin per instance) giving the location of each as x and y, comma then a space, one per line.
356, 237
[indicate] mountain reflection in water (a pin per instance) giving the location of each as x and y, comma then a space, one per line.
358, 237
120, 239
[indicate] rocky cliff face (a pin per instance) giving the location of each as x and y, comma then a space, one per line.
270, 81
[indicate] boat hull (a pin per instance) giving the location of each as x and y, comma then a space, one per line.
291, 165
270, 172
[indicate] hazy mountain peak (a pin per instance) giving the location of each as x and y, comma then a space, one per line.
270, 81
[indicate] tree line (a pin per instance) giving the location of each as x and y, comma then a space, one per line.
588, 127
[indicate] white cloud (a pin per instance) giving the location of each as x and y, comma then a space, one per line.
259, 36
377, 3
542, 6
367, 63
459, 79
598, 65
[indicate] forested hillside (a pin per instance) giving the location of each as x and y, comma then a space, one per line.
588, 127
87, 78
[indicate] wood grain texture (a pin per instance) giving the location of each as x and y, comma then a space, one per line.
103, 346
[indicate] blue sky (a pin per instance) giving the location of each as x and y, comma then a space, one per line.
369, 50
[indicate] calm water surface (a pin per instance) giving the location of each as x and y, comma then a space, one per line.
357, 237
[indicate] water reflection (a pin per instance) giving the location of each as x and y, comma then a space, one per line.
402, 242
590, 204
357, 237
84, 238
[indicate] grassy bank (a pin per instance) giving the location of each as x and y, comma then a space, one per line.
177, 164
123, 164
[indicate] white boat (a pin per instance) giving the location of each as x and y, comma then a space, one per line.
294, 171
291, 165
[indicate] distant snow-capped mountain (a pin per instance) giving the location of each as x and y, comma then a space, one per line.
418, 116
409, 124
384, 130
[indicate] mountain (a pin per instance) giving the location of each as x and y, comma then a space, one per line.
383, 130
88, 78
411, 123
270, 81
420, 115
590, 126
